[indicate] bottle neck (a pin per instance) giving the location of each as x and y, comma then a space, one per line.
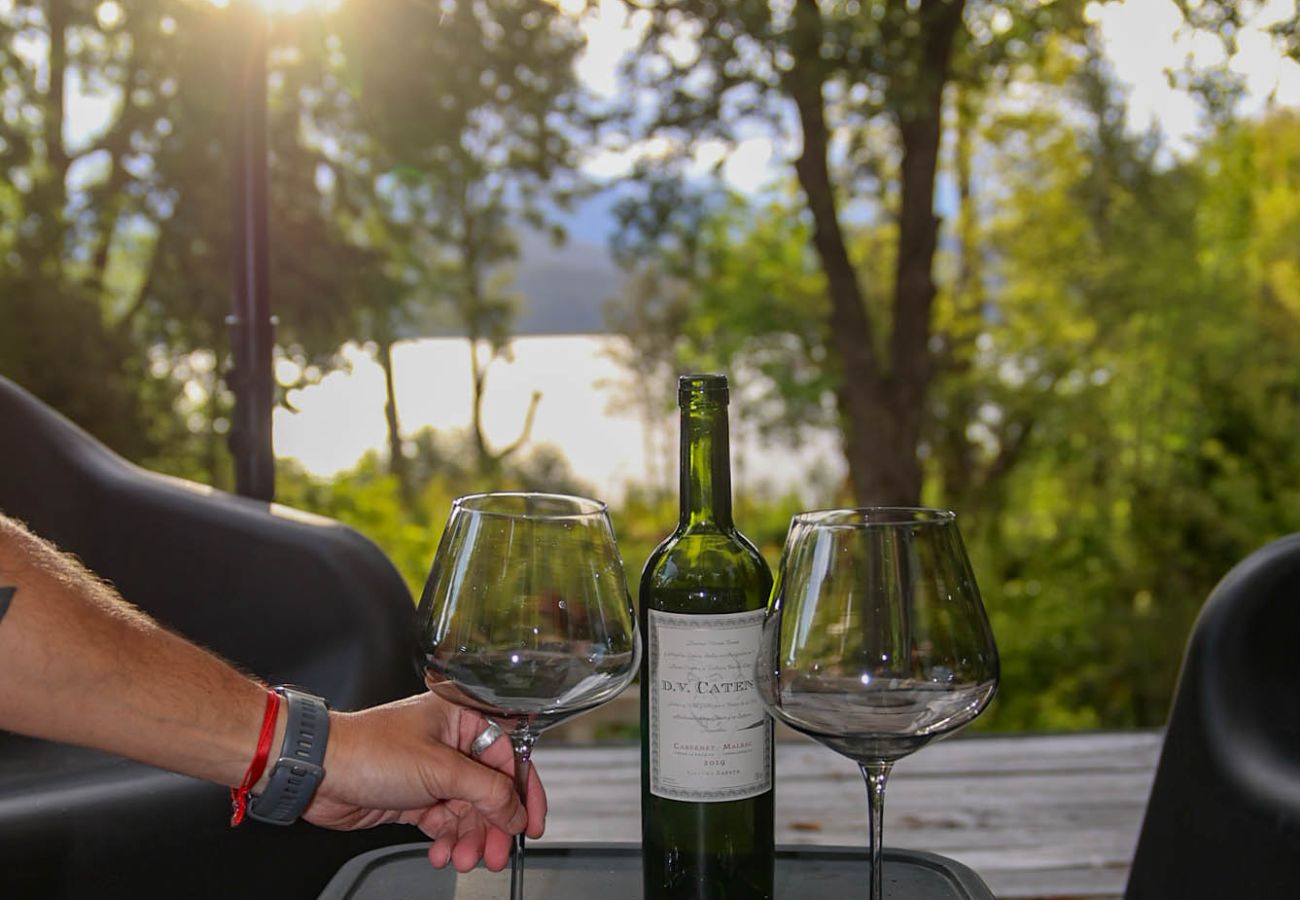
705, 465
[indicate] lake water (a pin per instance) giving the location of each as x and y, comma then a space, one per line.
583, 412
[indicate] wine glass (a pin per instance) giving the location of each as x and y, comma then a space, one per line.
875, 640
526, 618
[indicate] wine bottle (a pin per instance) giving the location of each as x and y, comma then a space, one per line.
706, 739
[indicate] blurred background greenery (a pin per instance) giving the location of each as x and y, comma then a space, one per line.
955, 253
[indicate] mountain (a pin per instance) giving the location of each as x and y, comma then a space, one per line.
564, 288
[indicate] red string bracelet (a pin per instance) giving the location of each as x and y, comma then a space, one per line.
239, 795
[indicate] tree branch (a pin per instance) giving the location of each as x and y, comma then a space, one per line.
851, 329
918, 110
527, 430
115, 142
141, 296
56, 16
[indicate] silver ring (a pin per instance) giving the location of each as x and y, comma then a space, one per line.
486, 738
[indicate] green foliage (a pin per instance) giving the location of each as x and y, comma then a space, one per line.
368, 498
467, 114
1104, 379
406, 143
59, 322
1116, 398
119, 236
371, 499
1140, 344
864, 84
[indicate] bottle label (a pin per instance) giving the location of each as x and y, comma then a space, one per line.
710, 736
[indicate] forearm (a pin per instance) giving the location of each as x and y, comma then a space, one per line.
79, 664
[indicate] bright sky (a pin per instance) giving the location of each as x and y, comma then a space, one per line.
343, 417
1142, 38
611, 33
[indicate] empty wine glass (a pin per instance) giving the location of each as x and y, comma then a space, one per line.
875, 640
526, 617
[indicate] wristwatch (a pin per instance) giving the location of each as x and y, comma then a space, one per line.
297, 773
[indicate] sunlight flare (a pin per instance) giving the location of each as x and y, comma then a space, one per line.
285, 7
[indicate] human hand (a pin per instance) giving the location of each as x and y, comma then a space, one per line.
409, 762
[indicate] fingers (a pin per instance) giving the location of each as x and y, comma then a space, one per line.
536, 805
440, 852
410, 760
450, 825
467, 830
469, 845
490, 791
500, 756
496, 849
461, 838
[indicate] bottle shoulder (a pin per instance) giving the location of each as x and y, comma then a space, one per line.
703, 558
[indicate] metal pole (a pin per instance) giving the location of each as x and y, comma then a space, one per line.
252, 328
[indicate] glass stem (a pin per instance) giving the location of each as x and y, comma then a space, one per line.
876, 774
522, 743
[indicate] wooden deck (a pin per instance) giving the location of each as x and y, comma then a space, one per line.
1036, 817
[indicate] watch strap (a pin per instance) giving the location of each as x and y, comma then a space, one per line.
298, 771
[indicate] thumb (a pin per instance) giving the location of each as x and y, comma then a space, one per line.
490, 792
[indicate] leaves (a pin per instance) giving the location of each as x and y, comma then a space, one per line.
1001, 299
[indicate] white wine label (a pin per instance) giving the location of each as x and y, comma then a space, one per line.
710, 736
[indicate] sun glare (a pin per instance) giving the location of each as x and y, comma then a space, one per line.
296, 6
285, 7
293, 7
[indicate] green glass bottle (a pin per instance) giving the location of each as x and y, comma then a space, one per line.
706, 739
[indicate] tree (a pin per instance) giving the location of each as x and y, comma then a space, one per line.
59, 340
125, 229
1134, 338
650, 316
469, 111
874, 76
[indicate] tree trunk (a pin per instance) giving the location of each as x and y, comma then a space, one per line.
57, 17
852, 340
882, 404
954, 450
52, 191
114, 196
918, 111
488, 462
397, 462
470, 308
478, 377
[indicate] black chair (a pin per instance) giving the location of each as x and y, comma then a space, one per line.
291, 597
1223, 820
